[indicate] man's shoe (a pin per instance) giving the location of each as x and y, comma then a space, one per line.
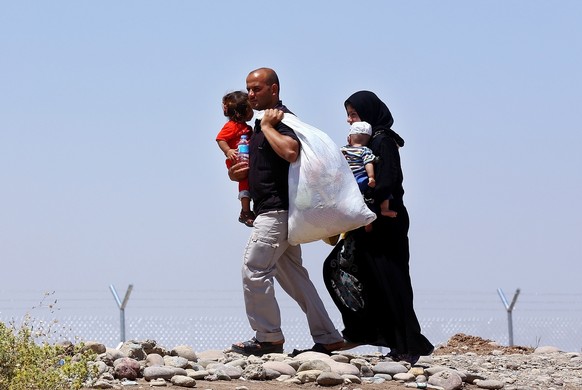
256, 347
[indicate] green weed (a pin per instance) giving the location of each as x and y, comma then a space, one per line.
30, 359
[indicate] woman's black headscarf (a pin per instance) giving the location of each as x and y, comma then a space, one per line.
373, 110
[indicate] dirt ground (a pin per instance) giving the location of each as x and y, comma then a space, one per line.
459, 343
462, 343
267, 385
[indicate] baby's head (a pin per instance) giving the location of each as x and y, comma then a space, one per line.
360, 133
236, 106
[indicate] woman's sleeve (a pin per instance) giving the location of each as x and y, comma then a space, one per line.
387, 169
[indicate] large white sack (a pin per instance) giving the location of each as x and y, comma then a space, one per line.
324, 198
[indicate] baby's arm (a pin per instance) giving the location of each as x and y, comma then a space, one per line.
370, 171
228, 152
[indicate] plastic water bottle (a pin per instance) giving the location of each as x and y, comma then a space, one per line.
243, 149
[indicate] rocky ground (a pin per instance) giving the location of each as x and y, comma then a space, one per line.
464, 362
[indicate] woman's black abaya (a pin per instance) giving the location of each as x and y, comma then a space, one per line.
367, 273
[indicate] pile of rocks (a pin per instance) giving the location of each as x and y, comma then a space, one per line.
546, 368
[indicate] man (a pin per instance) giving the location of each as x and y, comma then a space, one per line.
268, 255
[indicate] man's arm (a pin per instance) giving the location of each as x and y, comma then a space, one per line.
286, 147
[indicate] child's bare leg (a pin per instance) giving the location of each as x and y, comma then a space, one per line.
246, 215
385, 209
245, 203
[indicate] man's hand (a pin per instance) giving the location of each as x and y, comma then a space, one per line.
238, 171
271, 117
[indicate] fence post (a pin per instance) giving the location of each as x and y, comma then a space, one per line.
121, 309
509, 308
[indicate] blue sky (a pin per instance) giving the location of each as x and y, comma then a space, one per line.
108, 112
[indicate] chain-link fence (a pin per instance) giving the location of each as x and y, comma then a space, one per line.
204, 333
215, 319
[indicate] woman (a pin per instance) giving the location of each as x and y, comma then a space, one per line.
367, 273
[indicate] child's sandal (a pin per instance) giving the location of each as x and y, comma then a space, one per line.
247, 217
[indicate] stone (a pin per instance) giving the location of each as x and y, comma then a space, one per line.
68, 347
218, 375
133, 350
158, 382
343, 368
197, 374
111, 355
283, 378
100, 366
489, 384
271, 374
241, 363
183, 381
352, 379
233, 372
403, 376
151, 346
424, 361
315, 364
154, 359
175, 361
308, 376
387, 377
359, 362
94, 346
390, 368
293, 363
254, 372
184, 351
280, 367
126, 368
366, 371
211, 354
374, 379
310, 355
446, 379
102, 384
150, 373
340, 358
329, 379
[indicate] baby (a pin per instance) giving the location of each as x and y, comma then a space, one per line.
361, 161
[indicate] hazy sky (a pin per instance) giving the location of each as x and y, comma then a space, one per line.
110, 173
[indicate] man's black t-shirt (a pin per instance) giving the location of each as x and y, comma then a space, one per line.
268, 173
